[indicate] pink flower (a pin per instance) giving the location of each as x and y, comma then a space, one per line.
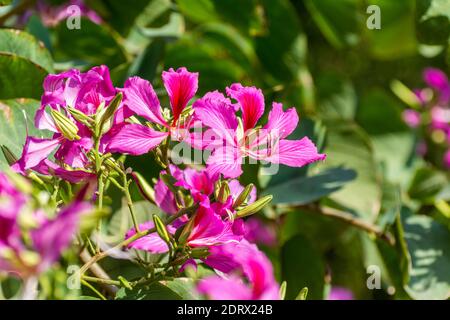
258, 232
82, 91
412, 118
447, 159
232, 141
53, 15
140, 99
208, 230
339, 293
438, 80
249, 274
46, 239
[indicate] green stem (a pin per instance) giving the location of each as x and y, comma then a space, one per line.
126, 188
87, 284
102, 281
99, 256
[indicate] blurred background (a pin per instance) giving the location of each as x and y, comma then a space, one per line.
348, 83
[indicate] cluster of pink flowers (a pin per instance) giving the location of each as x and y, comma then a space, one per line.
434, 113
74, 108
30, 239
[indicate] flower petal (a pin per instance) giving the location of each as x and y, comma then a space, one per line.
251, 102
226, 161
294, 153
135, 139
152, 242
283, 122
141, 99
181, 85
216, 112
35, 151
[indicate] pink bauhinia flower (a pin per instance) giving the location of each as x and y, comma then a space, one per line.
84, 92
140, 99
46, 239
232, 139
208, 229
249, 274
340, 293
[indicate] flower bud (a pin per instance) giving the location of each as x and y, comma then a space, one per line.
186, 231
105, 116
64, 125
161, 229
144, 187
198, 253
243, 196
224, 192
254, 207
9, 155
81, 117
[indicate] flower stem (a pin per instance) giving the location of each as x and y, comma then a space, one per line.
99, 256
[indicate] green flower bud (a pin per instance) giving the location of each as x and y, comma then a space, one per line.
64, 125
198, 253
254, 207
161, 229
224, 192
104, 117
81, 117
9, 155
243, 196
144, 187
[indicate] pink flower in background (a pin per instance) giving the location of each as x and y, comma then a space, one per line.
258, 232
411, 117
140, 99
438, 81
234, 142
48, 238
249, 274
340, 293
82, 91
52, 15
447, 159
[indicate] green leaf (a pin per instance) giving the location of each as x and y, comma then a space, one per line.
13, 125
337, 20
303, 190
92, 43
397, 37
301, 267
426, 184
429, 247
349, 146
24, 63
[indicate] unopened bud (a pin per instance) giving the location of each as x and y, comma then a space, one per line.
81, 117
243, 196
64, 125
254, 207
105, 117
144, 187
161, 229
198, 253
9, 155
224, 192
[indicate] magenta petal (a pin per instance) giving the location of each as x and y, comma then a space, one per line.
210, 230
436, 79
135, 139
164, 198
54, 236
141, 99
231, 288
251, 102
217, 113
281, 123
181, 85
152, 242
35, 151
294, 153
226, 161
339, 293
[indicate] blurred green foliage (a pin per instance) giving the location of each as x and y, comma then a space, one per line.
316, 55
